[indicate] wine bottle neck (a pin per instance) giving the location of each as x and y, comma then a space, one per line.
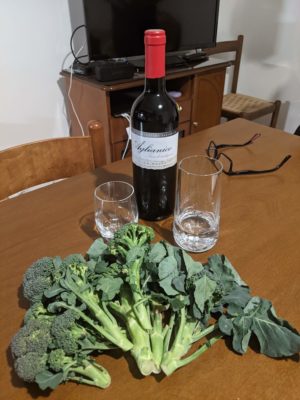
155, 59
155, 85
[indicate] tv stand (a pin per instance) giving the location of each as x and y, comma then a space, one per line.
201, 88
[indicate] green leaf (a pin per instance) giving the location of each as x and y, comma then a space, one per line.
224, 272
101, 267
179, 283
57, 261
47, 379
225, 325
97, 249
110, 287
53, 291
204, 289
167, 267
178, 302
157, 253
192, 267
236, 300
276, 337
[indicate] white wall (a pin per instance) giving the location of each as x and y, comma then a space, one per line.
270, 66
34, 40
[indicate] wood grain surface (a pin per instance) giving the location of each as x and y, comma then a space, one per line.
260, 220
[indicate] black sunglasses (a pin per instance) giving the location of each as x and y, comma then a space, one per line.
213, 152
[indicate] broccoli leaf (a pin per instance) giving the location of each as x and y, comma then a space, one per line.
109, 286
276, 337
97, 249
192, 267
157, 253
167, 271
204, 289
47, 379
224, 272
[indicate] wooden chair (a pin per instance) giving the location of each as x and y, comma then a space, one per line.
31, 164
235, 104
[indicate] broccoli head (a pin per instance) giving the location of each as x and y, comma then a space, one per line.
66, 332
37, 311
35, 337
58, 360
129, 236
38, 278
29, 365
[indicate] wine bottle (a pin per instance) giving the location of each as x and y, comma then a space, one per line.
154, 136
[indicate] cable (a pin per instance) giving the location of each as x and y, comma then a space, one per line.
70, 87
71, 46
128, 130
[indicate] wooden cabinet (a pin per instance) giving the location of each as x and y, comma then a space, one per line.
200, 104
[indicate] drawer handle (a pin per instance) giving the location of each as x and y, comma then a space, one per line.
195, 124
179, 108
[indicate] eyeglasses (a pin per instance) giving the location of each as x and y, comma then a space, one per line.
213, 152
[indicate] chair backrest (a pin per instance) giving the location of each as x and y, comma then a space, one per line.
236, 47
31, 164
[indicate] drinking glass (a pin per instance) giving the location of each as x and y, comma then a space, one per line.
115, 205
197, 206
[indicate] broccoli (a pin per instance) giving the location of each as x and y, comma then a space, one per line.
78, 369
37, 311
35, 337
65, 283
129, 236
40, 276
71, 337
74, 292
29, 365
129, 245
40, 358
123, 260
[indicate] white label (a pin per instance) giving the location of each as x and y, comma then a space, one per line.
153, 151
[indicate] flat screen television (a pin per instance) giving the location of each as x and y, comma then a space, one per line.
115, 28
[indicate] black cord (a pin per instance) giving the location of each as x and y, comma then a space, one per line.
77, 59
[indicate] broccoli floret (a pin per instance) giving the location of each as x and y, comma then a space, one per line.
129, 236
29, 365
35, 337
37, 311
73, 259
38, 278
58, 360
66, 332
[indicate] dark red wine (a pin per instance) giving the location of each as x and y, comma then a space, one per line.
154, 122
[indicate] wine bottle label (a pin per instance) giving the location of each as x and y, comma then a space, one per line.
154, 150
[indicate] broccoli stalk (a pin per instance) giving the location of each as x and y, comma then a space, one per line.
187, 333
129, 246
141, 350
82, 370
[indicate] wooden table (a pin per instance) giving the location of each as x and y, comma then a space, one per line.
260, 220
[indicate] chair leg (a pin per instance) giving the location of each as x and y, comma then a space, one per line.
275, 114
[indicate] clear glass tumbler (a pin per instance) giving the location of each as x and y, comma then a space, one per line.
115, 205
197, 207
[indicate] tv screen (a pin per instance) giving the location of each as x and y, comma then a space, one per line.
115, 28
